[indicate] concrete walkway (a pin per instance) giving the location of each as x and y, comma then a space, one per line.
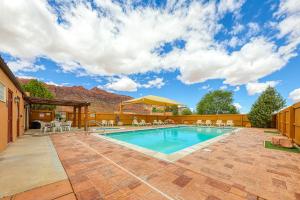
28, 163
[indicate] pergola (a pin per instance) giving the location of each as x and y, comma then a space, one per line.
150, 100
61, 102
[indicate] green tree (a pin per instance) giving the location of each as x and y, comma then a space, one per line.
186, 111
262, 110
217, 102
174, 110
37, 89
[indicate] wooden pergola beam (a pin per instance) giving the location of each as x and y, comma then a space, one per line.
56, 102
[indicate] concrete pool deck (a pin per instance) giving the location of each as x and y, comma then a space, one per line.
28, 163
237, 167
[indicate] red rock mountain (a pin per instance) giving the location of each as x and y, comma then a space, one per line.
101, 100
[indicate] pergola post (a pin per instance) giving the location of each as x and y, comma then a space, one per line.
120, 108
79, 117
74, 116
85, 118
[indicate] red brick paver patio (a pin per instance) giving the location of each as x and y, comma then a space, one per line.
238, 167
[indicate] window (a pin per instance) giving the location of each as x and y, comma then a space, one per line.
2, 93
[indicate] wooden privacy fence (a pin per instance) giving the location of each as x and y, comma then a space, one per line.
288, 122
41, 115
238, 119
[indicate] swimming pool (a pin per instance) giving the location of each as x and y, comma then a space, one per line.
169, 140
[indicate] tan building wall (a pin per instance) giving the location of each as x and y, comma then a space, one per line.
4, 79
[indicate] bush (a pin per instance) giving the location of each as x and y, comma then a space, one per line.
186, 111
262, 110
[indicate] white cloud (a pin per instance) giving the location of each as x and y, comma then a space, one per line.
24, 66
238, 106
256, 87
56, 84
236, 89
253, 29
127, 84
157, 82
26, 77
121, 40
122, 84
206, 87
223, 87
295, 95
289, 10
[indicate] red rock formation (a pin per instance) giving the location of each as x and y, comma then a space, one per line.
101, 100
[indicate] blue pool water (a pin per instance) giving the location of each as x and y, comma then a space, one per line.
169, 140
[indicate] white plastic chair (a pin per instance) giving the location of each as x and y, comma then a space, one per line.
135, 123
229, 123
220, 123
143, 123
111, 123
208, 122
68, 125
103, 123
155, 122
161, 122
57, 126
199, 122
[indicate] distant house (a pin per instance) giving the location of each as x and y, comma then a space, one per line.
12, 107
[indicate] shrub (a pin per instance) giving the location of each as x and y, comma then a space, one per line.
262, 110
186, 111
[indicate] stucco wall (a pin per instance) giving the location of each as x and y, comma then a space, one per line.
3, 112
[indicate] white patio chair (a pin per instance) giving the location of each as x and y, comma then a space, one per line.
143, 123
161, 122
155, 122
111, 123
135, 123
68, 125
104, 123
229, 123
57, 126
199, 122
220, 123
208, 122
44, 127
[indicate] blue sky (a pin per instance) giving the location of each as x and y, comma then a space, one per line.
177, 49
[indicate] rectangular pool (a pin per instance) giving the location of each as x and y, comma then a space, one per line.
169, 140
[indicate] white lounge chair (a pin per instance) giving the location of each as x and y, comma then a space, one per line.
135, 123
161, 122
229, 123
103, 123
155, 122
208, 122
143, 123
199, 122
220, 123
111, 123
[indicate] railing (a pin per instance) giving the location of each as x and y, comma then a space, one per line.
288, 122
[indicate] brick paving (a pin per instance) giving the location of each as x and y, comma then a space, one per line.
238, 167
